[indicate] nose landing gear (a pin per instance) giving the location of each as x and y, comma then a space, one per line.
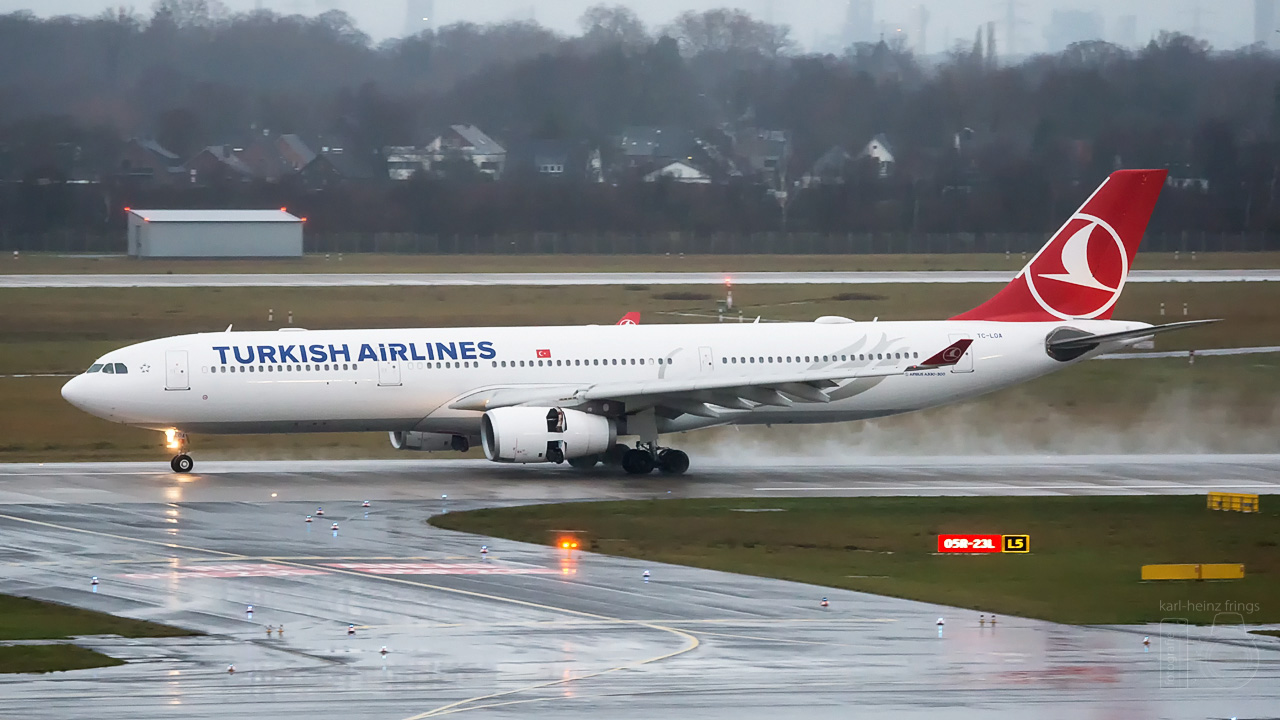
182, 462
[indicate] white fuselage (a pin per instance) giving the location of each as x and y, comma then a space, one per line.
405, 379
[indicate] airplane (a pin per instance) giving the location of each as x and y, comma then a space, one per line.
557, 394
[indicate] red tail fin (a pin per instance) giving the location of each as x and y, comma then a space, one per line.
1082, 269
631, 318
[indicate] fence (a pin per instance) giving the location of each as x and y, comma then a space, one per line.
791, 243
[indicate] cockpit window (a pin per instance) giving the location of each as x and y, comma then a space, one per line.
96, 367
121, 369
109, 368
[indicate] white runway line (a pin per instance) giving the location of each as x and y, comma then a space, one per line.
602, 278
1100, 485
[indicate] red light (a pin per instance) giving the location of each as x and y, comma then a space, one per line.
283, 210
304, 219
128, 209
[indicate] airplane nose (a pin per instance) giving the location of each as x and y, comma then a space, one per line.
75, 392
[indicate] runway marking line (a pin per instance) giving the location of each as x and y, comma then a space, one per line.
228, 570
1015, 487
691, 641
438, 568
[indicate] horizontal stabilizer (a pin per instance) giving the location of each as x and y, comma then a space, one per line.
1088, 342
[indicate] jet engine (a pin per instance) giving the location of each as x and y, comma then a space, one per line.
539, 434
430, 442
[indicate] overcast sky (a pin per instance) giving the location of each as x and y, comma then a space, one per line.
1225, 23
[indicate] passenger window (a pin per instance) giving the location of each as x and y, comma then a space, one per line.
96, 367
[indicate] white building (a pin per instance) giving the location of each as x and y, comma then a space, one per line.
214, 233
878, 149
459, 142
679, 172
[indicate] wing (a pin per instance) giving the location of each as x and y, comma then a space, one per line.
697, 395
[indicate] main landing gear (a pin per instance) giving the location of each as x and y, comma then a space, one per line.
182, 462
645, 457
640, 460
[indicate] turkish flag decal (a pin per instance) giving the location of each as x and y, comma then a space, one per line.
544, 353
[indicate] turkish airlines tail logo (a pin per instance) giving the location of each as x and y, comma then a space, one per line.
631, 318
1081, 271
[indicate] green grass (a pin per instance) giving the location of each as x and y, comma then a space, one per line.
1083, 568
38, 263
28, 619
1219, 404
51, 658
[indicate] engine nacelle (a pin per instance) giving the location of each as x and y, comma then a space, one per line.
430, 442
539, 434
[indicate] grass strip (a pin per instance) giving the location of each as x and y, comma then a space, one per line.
1083, 569
29, 619
51, 658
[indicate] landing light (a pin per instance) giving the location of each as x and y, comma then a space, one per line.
171, 439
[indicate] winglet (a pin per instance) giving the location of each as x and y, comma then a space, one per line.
948, 357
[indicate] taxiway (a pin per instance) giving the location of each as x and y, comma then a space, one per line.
529, 631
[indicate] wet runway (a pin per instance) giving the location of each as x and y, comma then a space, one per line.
595, 278
531, 632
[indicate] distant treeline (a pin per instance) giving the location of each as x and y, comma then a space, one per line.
981, 145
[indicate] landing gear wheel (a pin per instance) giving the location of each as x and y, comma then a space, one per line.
673, 462
182, 463
615, 454
638, 462
586, 462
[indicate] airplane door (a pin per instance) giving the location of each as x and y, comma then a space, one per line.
175, 370
706, 362
966, 361
389, 373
